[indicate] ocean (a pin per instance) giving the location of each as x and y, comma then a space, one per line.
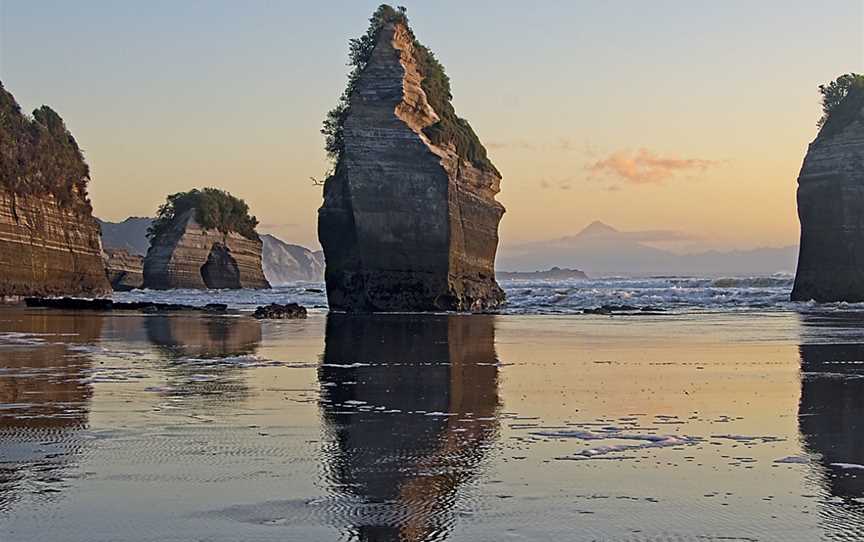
675, 295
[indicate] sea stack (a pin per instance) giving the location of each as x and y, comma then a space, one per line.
409, 220
831, 200
49, 240
204, 239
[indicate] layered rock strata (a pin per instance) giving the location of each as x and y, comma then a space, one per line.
125, 271
406, 225
188, 256
49, 240
47, 248
831, 211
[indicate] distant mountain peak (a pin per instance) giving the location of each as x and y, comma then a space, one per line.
598, 228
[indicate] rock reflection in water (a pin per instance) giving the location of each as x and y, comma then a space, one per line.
411, 405
44, 400
205, 355
831, 421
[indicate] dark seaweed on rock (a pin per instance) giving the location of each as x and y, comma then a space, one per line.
38, 155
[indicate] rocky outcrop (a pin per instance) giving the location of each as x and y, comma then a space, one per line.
49, 241
47, 248
275, 311
830, 208
188, 256
125, 271
406, 224
284, 263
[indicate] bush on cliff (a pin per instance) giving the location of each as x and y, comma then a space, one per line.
436, 85
842, 101
214, 210
38, 155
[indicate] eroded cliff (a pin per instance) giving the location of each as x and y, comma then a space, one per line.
185, 255
49, 240
831, 207
409, 220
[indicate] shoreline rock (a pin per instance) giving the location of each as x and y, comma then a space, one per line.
49, 240
69, 303
275, 311
830, 206
188, 256
406, 224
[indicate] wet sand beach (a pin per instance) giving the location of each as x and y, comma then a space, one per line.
439, 427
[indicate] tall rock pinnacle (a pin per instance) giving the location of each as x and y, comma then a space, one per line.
409, 220
831, 200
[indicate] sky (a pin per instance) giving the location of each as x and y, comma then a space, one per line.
678, 116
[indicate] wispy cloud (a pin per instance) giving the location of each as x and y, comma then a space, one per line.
645, 167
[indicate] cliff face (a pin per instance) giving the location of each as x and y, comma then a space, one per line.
188, 256
830, 208
284, 263
405, 224
125, 271
48, 249
49, 241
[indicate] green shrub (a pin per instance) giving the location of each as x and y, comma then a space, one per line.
214, 210
436, 85
38, 155
842, 101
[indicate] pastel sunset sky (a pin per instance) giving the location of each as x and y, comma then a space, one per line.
686, 116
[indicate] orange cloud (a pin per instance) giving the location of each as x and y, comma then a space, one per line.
644, 166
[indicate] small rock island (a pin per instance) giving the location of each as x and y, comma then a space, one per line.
831, 199
49, 240
204, 239
409, 220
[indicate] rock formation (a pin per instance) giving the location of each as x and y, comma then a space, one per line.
284, 263
125, 271
409, 220
49, 241
831, 208
186, 255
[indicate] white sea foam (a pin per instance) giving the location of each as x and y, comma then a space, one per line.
638, 441
653, 294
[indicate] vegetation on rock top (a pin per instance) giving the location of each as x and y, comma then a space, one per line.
214, 210
450, 129
842, 102
38, 155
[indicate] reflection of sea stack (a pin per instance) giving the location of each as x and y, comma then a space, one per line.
196, 349
409, 220
831, 413
203, 337
204, 239
411, 403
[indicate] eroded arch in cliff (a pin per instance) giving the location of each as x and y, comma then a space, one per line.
221, 271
